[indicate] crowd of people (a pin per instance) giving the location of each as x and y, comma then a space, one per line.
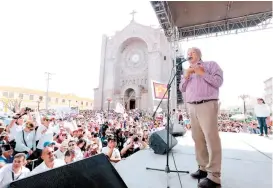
34, 142
252, 125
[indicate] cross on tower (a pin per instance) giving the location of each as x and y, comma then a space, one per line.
133, 14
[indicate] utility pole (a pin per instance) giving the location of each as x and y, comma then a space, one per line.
48, 74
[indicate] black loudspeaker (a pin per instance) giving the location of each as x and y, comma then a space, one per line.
95, 172
158, 142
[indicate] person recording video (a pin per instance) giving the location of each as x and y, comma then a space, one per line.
16, 125
133, 145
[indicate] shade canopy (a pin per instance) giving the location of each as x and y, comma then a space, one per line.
196, 18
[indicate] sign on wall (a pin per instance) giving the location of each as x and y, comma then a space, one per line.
159, 90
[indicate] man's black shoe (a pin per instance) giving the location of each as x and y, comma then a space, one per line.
207, 183
199, 174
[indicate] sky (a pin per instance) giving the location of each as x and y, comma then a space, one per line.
64, 38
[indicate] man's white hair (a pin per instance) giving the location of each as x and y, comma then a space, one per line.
197, 51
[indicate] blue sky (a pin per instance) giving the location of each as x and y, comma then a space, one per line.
64, 37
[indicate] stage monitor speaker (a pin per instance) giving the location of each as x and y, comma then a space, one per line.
158, 142
177, 129
95, 172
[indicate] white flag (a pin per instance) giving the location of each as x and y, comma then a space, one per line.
119, 108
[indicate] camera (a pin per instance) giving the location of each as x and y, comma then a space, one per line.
135, 139
27, 109
17, 116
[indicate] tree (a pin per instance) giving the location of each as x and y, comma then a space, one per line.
13, 105
244, 97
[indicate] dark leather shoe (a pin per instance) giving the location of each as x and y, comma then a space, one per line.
207, 183
199, 174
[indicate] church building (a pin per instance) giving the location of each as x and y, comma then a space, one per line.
130, 61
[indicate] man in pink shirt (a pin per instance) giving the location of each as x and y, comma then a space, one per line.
201, 83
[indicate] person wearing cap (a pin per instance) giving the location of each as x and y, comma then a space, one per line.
6, 157
2, 138
111, 151
49, 144
25, 139
44, 133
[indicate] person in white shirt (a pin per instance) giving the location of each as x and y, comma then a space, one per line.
262, 111
14, 171
111, 151
15, 126
60, 153
49, 161
44, 133
25, 140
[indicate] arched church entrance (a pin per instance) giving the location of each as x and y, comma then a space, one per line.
130, 99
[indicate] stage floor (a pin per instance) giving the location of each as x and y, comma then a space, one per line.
247, 163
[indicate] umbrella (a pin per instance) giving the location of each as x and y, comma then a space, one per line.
240, 117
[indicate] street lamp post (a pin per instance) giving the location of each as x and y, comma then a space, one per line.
244, 97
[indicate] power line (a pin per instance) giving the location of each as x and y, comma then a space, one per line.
47, 87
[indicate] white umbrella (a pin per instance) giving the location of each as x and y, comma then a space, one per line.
240, 117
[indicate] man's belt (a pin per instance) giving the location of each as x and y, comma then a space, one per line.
203, 101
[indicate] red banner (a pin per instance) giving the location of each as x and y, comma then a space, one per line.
159, 90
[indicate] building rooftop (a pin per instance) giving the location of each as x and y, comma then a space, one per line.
42, 93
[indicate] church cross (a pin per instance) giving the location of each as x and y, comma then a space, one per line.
133, 14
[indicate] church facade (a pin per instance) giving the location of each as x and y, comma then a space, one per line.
130, 61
